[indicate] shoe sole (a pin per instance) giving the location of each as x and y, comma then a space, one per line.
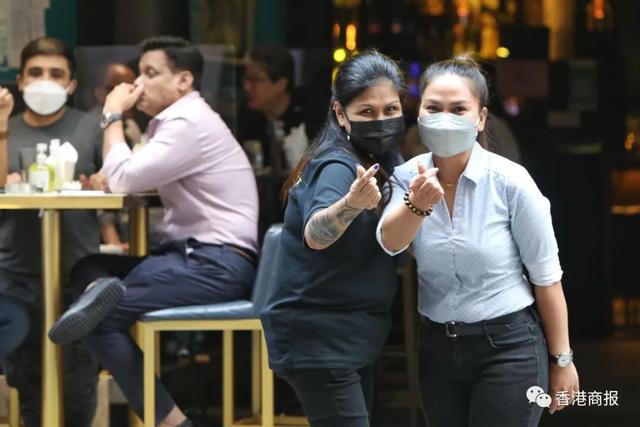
77, 324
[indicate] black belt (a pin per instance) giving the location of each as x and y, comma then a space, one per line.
495, 326
243, 252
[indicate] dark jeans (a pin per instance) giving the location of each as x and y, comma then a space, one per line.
481, 380
24, 365
180, 274
334, 397
14, 324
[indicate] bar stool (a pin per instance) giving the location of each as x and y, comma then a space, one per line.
225, 317
13, 406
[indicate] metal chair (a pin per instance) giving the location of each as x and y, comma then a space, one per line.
228, 318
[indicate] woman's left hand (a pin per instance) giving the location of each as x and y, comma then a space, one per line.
562, 379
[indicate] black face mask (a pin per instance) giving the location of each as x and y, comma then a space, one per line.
377, 137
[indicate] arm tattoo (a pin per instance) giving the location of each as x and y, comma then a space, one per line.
329, 224
346, 214
323, 229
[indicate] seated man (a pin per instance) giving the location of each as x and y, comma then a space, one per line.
46, 81
210, 199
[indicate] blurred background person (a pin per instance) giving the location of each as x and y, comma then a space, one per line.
274, 114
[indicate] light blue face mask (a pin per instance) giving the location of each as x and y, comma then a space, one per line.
447, 134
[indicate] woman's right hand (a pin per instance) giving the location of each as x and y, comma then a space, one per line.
426, 190
364, 192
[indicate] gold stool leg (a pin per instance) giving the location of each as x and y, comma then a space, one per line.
255, 373
14, 408
148, 350
267, 385
138, 246
227, 379
101, 417
136, 333
138, 227
52, 408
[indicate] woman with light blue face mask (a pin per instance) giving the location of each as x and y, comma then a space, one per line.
493, 350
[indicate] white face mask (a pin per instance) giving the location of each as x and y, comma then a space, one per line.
44, 97
447, 134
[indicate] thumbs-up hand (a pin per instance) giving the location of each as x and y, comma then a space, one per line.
425, 188
364, 192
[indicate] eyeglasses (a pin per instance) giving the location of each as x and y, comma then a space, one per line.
255, 79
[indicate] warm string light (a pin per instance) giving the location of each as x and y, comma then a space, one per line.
503, 52
462, 8
339, 55
433, 7
598, 9
630, 141
351, 33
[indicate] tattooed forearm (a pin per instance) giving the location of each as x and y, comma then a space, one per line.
347, 214
327, 225
323, 229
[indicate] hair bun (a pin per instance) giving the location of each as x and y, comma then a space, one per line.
466, 59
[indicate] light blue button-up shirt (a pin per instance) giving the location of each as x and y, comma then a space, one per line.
470, 265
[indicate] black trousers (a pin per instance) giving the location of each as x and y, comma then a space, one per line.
181, 273
334, 397
481, 380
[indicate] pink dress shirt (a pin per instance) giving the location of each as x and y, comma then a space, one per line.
203, 176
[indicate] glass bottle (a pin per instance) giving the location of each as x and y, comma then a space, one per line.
41, 174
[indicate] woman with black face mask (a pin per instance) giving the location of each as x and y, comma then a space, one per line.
329, 314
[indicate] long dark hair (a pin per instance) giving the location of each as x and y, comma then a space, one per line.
352, 78
462, 66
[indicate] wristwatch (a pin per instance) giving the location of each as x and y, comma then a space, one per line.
563, 359
108, 118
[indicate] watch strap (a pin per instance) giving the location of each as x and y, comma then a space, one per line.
108, 118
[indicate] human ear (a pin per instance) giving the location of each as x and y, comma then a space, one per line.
484, 113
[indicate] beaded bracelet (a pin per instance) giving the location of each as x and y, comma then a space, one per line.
415, 210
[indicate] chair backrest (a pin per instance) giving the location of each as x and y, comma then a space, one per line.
267, 266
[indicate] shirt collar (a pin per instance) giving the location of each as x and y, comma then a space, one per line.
477, 164
176, 106
172, 110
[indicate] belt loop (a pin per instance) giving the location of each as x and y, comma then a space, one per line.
488, 336
534, 313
